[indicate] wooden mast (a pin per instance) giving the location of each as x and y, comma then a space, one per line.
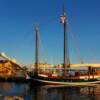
36, 51
64, 22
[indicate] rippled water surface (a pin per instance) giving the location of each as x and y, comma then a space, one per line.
27, 91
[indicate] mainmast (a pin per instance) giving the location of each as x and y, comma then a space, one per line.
64, 22
36, 51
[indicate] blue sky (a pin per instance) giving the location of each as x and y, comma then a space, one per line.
17, 36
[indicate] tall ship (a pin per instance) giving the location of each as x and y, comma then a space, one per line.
90, 76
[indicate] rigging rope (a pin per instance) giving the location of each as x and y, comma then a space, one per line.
40, 41
73, 45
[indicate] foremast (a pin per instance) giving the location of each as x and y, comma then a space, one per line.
63, 18
36, 51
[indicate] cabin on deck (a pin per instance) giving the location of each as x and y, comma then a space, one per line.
75, 71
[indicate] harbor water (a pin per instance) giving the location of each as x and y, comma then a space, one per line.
28, 91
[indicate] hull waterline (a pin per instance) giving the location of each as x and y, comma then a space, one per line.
47, 82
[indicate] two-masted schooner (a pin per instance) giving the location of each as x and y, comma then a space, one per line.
78, 78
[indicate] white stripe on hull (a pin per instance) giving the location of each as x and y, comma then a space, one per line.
65, 83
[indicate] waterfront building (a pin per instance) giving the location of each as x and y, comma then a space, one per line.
8, 67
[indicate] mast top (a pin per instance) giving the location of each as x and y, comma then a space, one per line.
63, 17
36, 27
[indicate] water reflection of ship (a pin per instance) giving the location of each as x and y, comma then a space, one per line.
38, 93
75, 93
93, 92
65, 93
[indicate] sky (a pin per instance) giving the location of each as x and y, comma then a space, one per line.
17, 35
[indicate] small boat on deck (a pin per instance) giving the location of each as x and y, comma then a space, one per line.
91, 77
